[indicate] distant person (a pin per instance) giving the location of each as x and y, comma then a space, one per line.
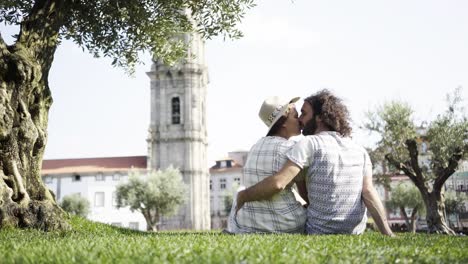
282, 212
339, 174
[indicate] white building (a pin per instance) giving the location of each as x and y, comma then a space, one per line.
226, 176
96, 179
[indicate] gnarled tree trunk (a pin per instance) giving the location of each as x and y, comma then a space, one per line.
25, 100
24, 105
435, 216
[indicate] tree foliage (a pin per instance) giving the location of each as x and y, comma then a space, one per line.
120, 29
455, 202
75, 204
154, 195
448, 136
393, 121
401, 142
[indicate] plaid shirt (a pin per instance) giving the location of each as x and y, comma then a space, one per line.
334, 182
282, 213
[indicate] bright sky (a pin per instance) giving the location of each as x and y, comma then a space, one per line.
367, 52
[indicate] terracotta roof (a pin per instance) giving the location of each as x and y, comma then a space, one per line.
86, 165
234, 167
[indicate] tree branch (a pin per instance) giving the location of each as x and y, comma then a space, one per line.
414, 153
403, 167
39, 32
405, 216
450, 169
414, 212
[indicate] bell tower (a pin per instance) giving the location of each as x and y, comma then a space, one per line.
177, 132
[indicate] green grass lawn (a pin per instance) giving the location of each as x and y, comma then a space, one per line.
98, 243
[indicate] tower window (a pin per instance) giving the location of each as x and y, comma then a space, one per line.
175, 110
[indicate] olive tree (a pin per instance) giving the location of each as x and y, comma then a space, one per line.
75, 204
117, 29
447, 141
406, 196
157, 194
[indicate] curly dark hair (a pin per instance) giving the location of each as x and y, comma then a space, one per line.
331, 110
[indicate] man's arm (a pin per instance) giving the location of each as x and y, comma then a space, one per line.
269, 186
375, 206
302, 189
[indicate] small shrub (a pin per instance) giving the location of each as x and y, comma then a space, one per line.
75, 204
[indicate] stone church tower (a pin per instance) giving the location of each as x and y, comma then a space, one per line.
177, 132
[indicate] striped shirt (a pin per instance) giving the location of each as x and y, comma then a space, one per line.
334, 182
282, 213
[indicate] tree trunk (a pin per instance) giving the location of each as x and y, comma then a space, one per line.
405, 216
25, 100
435, 216
24, 105
414, 220
151, 227
151, 220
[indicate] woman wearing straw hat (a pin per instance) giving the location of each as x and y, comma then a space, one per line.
282, 213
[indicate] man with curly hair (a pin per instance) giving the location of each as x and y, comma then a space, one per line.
339, 172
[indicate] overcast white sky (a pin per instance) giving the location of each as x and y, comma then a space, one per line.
366, 51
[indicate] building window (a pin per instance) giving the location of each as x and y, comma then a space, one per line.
175, 110
211, 184
212, 206
99, 177
116, 176
76, 177
237, 180
48, 179
114, 199
117, 224
459, 186
133, 225
99, 199
222, 183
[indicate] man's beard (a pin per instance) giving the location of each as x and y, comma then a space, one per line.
310, 127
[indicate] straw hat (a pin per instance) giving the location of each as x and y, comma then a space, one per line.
273, 108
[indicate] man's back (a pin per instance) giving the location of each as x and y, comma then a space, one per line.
334, 182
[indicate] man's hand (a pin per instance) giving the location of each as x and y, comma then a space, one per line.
239, 201
269, 186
